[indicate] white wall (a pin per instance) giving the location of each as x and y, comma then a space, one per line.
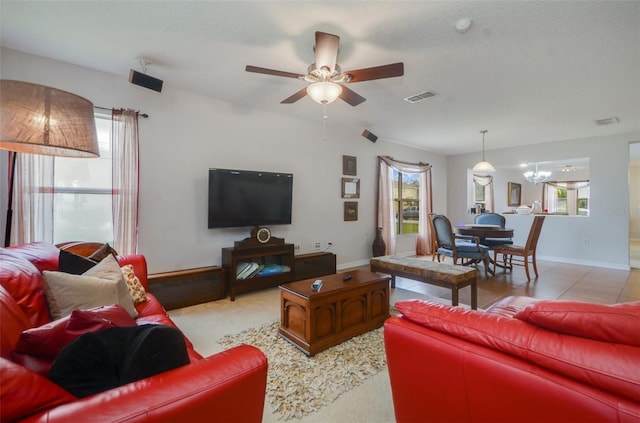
187, 134
634, 202
602, 239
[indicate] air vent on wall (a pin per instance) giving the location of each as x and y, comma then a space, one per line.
607, 121
419, 97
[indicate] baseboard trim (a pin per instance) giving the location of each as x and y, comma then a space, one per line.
366, 262
606, 265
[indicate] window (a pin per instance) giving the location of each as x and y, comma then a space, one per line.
82, 207
570, 198
406, 189
479, 193
582, 203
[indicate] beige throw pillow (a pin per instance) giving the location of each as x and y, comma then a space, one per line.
101, 285
66, 292
109, 269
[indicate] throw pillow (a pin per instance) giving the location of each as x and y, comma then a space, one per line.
37, 347
65, 292
136, 290
617, 323
109, 269
102, 252
73, 263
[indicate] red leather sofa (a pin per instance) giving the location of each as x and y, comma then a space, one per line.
229, 386
521, 360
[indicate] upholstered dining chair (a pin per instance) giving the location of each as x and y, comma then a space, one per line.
523, 252
492, 219
466, 248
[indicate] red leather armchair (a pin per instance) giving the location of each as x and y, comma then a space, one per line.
229, 386
521, 360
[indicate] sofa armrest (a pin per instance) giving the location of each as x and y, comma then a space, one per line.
228, 386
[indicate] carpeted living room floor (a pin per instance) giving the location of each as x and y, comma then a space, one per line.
204, 324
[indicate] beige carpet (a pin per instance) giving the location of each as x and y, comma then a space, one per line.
298, 385
205, 324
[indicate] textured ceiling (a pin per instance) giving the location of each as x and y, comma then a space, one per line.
529, 72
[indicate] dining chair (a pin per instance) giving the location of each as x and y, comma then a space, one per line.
492, 219
466, 248
521, 251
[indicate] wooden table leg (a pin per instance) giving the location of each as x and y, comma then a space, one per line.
454, 296
474, 295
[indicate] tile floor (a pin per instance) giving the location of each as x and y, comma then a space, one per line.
555, 281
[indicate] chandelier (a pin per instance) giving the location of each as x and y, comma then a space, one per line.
537, 176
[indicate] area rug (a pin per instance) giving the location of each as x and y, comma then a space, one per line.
298, 385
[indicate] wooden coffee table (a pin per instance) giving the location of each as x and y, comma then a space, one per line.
314, 321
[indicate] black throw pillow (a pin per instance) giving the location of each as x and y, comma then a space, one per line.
112, 357
73, 263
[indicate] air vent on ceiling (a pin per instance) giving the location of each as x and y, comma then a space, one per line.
419, 97
607, 121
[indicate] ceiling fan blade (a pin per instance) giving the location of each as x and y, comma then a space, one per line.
378, 72
266, 71
351, 97
326, 50
297, 96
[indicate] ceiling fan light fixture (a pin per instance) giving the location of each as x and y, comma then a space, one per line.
324, 92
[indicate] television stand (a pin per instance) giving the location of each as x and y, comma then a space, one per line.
272, 263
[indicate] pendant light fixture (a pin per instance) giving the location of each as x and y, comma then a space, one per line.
483, 166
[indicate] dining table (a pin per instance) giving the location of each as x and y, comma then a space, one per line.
485, 231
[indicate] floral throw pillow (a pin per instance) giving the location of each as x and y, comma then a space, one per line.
136, 290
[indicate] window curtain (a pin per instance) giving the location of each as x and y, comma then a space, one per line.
32, 199
487, 182
125, 165
386, 215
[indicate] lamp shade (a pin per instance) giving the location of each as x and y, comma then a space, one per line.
37, 119
324, 92
484, 166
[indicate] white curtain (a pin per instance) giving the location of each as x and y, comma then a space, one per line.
487, 182
386, 214
125, 164
32, 199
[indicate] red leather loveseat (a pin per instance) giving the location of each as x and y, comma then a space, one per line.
229, 386
522, 360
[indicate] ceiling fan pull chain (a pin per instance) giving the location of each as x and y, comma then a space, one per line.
324, 122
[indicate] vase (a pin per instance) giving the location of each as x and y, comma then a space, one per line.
537, 207
379, 248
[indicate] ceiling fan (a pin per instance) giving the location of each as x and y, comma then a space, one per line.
327, 78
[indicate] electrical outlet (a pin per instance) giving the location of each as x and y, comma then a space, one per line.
317, 245
296, 247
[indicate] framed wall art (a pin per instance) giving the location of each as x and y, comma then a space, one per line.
350, 188
514, 194
349, 165
350, 211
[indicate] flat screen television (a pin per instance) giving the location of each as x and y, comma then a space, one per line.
249, 198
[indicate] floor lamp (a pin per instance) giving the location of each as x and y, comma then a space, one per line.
37, 119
